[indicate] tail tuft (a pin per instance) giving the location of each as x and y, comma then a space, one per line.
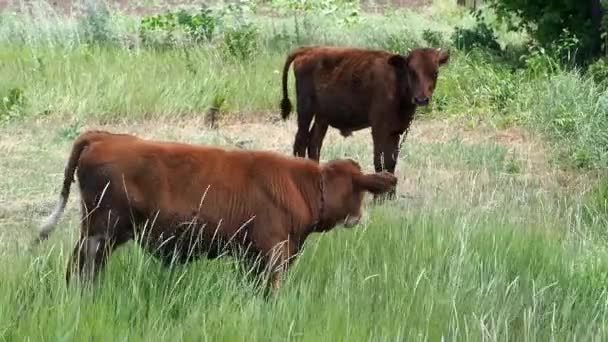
285, 108
47, 227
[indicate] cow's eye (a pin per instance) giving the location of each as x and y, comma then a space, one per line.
435, 74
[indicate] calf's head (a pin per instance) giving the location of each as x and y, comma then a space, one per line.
345, 186
417, 72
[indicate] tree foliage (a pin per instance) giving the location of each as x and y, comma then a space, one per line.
552, 21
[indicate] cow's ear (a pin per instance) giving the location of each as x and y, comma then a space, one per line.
397, 61
443, 56
376, 183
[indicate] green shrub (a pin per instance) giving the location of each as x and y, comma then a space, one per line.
281, 41
157, 30
200, 26
13, 103
160, 29
598, 70
480, 36
95, 24
549, 21
433, 38
241, 42
400, 42
539, 62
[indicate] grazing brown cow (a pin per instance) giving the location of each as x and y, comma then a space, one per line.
181, 201
352, 89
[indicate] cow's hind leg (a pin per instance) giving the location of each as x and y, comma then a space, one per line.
88, 257
317, 134
100, 234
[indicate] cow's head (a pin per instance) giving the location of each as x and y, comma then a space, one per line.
344, 187
419, 69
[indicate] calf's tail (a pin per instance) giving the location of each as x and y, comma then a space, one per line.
48, 225
286, 106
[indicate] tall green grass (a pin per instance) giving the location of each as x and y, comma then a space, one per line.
474, 251
412, 273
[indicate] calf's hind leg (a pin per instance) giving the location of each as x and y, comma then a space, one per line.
305, 115
100, 234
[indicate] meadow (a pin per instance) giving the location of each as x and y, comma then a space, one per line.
499, 232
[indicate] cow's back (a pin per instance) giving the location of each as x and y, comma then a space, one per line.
345, 83
172, 183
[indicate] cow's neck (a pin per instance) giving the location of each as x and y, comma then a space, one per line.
404, 95
406, 107
317, 216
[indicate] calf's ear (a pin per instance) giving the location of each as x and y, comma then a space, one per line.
376, 183
443, 56
397, 61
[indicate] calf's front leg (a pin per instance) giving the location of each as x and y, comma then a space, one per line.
278, 260
386, 154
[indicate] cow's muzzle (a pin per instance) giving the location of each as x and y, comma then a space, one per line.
421, 100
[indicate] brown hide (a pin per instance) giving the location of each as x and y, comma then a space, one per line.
182, 201
352, 89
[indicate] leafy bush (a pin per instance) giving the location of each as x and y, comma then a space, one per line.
281, 41
433, 38
241, 42
96, 24
547, 21
13, 103
598, 70
400, 42
480, 36
539, 62
200, 27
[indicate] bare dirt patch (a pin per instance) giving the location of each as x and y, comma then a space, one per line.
267, 131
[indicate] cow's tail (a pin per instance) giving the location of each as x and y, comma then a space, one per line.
286, 106
47, 227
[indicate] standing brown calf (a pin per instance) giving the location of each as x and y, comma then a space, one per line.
181, 201
352, 89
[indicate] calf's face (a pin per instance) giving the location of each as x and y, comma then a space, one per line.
419, 69
345, 187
